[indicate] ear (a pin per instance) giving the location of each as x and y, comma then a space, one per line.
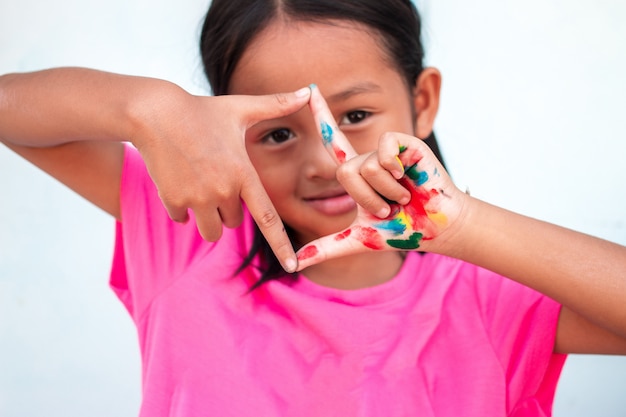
426, 101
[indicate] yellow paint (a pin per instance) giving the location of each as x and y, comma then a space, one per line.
438, 218
400, 162
403, 218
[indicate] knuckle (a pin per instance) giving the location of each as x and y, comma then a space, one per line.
222, 194
387, 136
281, 99
172, 200
370, 203
344, 172
268, 219
370, 168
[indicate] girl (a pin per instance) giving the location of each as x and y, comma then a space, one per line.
364, 329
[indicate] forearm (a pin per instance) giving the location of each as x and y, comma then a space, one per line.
582, 272
52, 107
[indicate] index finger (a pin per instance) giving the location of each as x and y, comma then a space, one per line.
269, 222
334, 140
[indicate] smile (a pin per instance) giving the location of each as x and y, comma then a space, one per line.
332, 204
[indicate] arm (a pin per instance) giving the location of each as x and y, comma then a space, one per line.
63, 121
585, 274
69, 121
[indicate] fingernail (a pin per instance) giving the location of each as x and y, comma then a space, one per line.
291, 265
303, 92
383, 212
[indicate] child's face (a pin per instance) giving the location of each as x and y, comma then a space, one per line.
366, 94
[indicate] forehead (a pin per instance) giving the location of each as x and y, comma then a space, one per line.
288, 55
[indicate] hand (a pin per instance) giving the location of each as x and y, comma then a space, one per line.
404, 170
195, 153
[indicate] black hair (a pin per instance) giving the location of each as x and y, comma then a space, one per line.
231, 25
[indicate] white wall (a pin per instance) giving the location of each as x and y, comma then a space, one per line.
531, 119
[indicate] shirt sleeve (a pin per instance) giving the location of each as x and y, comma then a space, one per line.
150, 249
522, 325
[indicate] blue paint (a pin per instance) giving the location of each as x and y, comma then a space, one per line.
327, 133
396, 226
422, 178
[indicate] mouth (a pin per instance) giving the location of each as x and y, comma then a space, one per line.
332, 202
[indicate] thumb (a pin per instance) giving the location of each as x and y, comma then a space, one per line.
273, 106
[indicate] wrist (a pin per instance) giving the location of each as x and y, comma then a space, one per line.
455, 235
146, 108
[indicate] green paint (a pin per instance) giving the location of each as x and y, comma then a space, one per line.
419, 177
413, 242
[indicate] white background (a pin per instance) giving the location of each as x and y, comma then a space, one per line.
532, 119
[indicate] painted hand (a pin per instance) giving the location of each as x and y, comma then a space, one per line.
431, 200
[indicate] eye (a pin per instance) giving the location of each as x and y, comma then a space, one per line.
278, 136
354, 117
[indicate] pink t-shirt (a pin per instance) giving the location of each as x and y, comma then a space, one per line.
443, 338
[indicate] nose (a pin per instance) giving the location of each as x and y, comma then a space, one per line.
318, 164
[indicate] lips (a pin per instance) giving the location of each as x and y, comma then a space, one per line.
332, 203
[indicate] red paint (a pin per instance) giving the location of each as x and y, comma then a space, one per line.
307, 253
416, 210
343, 235
370, 238
339, 154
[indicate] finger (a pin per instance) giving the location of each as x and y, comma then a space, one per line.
334, 140
390, 146
177, 215
176, 212
354, 239
360, 190
231, 213
269, 222
209, 223
398, 151
383, 182
272, 106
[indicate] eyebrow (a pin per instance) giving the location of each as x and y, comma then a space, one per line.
359, 88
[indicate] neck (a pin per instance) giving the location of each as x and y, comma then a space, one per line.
356, 271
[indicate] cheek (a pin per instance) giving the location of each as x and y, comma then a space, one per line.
279, 179
406, 121
364, 144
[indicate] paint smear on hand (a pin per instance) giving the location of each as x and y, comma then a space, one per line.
369, 237
328, 139
307, 253
343, 235
412, 243
327, 133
